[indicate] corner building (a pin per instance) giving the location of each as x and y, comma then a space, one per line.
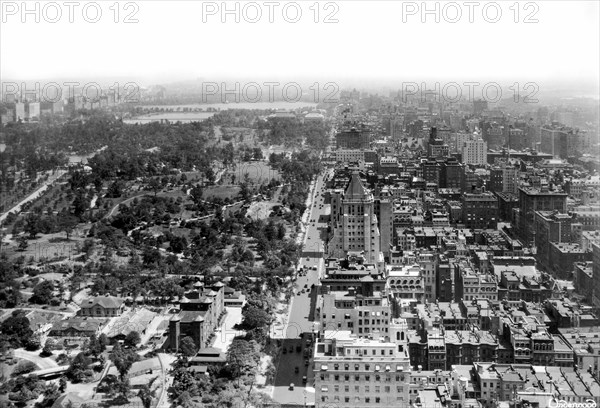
353, 373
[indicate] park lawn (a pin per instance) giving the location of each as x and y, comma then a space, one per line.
49, 247
222, 192
258, 172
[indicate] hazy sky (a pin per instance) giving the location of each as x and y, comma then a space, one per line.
171, 41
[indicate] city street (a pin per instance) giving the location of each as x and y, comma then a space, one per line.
293, 359
301, 317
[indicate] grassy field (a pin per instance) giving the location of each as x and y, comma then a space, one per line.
226, 191
46, 248
258, 172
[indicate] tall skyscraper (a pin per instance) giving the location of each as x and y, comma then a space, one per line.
558, 140
532, 200
474, 152
355, 229
19, 111
353, 138
34, 110
510, 177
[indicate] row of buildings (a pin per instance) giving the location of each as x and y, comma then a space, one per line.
448, 277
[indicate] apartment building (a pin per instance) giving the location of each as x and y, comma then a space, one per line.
352, 372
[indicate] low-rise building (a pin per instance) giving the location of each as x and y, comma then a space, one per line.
583, 279
361, 314
102, 306
405, 282
76, 327
442, 349
134, 320
585, 343
471, 285
563, 257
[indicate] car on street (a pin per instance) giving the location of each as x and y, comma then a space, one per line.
292, 387
304, 380
297, 369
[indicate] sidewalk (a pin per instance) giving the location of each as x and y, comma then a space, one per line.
281, 316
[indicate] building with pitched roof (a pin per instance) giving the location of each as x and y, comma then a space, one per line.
355, 227
102, 306
76, 327
138, 321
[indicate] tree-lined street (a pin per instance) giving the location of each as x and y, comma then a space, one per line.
301, 318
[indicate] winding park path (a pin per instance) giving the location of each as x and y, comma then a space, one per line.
42, 363
116, 207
